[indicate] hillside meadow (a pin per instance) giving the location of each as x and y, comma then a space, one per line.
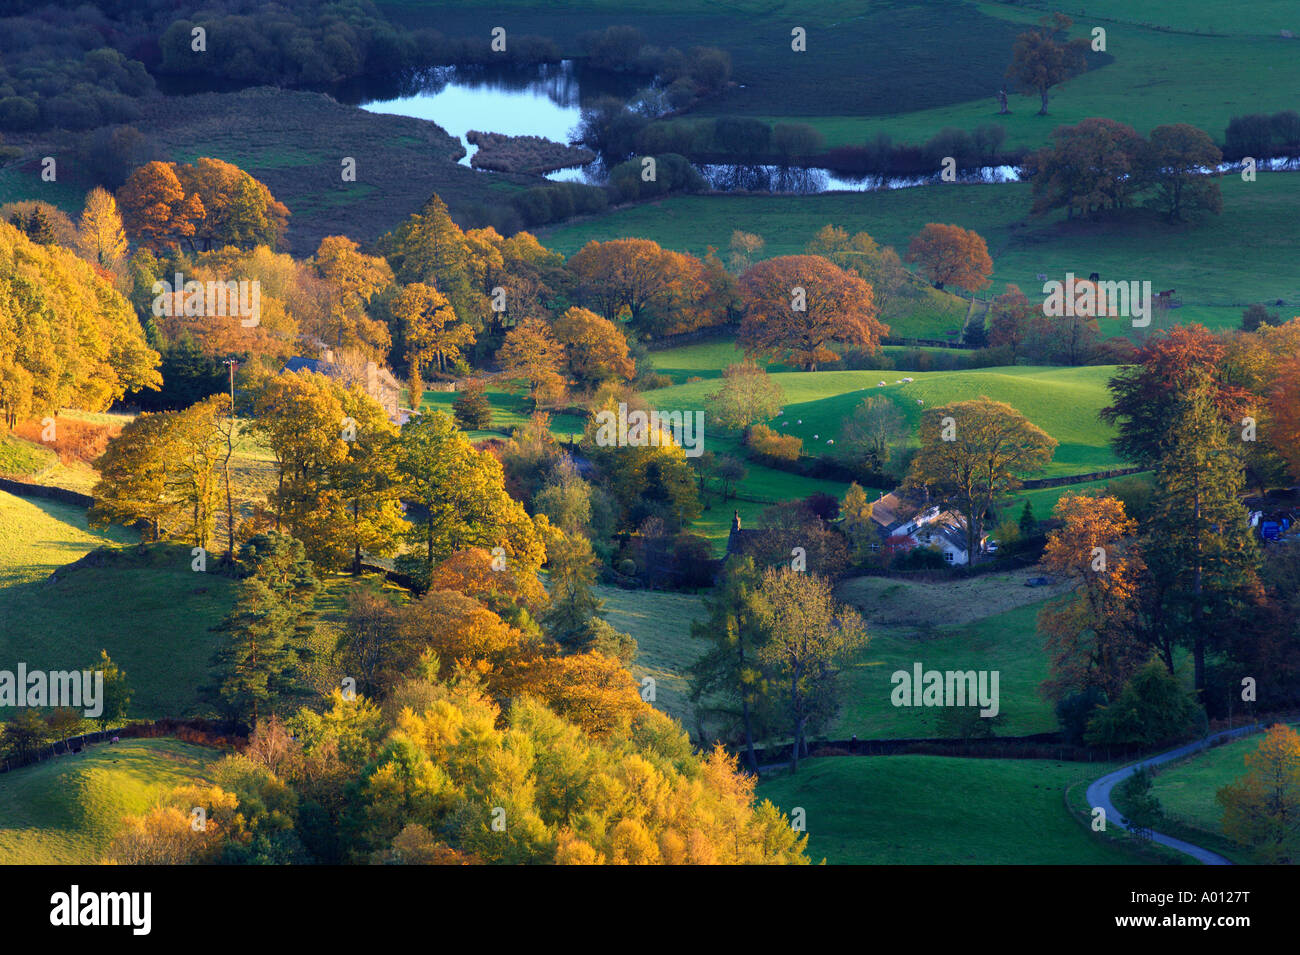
937, 810
66, 810
1064, 402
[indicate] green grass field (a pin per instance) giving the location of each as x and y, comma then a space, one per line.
1006, 642
1197, 260
509, 410
661, 624
1062, 401
153, 614
1187, 791
66, 810
935, 810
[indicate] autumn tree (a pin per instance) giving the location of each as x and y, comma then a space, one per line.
858, 526
1284, 404
368, 484
1174, 163
973, 452
132, 477
648, 479
302, 419
659, 291
531, 354
748, 394
156, 209
1090, 167
1010, 320
594, 347
744, 247
951, 255
879, 265
1262, 808
1044, 57
431, 329
197, 443
162, 470
510, 589
345, 282
796, 306
460, 499
68, 339
808, 637
238, 210
1093, 633
100, 235
1147, 392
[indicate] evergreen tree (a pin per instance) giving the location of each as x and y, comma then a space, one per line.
1028, 523
729, 671
257, 670
472, 409
1201, 553
572, 574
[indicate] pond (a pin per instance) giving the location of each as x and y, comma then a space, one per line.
535, 101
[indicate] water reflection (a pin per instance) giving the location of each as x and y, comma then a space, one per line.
541, 100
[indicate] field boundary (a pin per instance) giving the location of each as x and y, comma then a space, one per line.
25, 489
198, 732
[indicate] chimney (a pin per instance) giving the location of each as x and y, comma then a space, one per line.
735, 521
372, 378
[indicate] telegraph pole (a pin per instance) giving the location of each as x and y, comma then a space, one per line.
230, 450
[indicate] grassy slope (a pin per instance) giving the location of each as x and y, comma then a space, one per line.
940, 810
154, 618
1154, 76
66, 810
661, 624
1187, 792
1196, 260
1006, 642
1062, 401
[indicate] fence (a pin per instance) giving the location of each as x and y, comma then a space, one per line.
1079, 478
23, 489
73, 744
1039, 746
191, 731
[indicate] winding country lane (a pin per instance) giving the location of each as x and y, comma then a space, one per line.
1099, 792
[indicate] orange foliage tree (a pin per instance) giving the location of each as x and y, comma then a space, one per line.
796, 306
1092, 632
951, 255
